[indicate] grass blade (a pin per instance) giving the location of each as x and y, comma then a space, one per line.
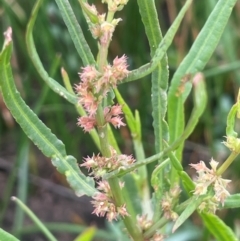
35, 219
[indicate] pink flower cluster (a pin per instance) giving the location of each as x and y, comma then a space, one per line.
209, 178
169, 201
104, 205
101, 165
145, 224
94, 86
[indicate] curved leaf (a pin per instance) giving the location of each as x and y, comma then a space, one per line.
200, 102
75, 32
218, 228
35, 128
231, 118
53, 84
5, 236
194, 62
161, 49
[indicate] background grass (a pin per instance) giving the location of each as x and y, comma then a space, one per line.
56, 50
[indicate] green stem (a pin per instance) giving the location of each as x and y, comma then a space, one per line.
110, 16
227, 163
103, 51
152, 230
143, 183
129, 221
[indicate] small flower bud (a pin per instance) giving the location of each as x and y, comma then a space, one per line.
232, 143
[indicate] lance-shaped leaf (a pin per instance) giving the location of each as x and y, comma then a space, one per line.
186, 180
193, 205
218, 228
160, 74
200, 102
35, 129
75, 32
161, 49
194, 62
53, 84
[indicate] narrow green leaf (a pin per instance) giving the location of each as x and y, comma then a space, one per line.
35, 219
22, 180
160, 74
218, 228
138, 124
193, 205
132, 194
35, 128
162, 46
87, 235
232, 201
140, 184
200, 102
187, 182
53, 84
5, 236
75, 32
231, 118
194, 62
127, 112
155, 176
159, 81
